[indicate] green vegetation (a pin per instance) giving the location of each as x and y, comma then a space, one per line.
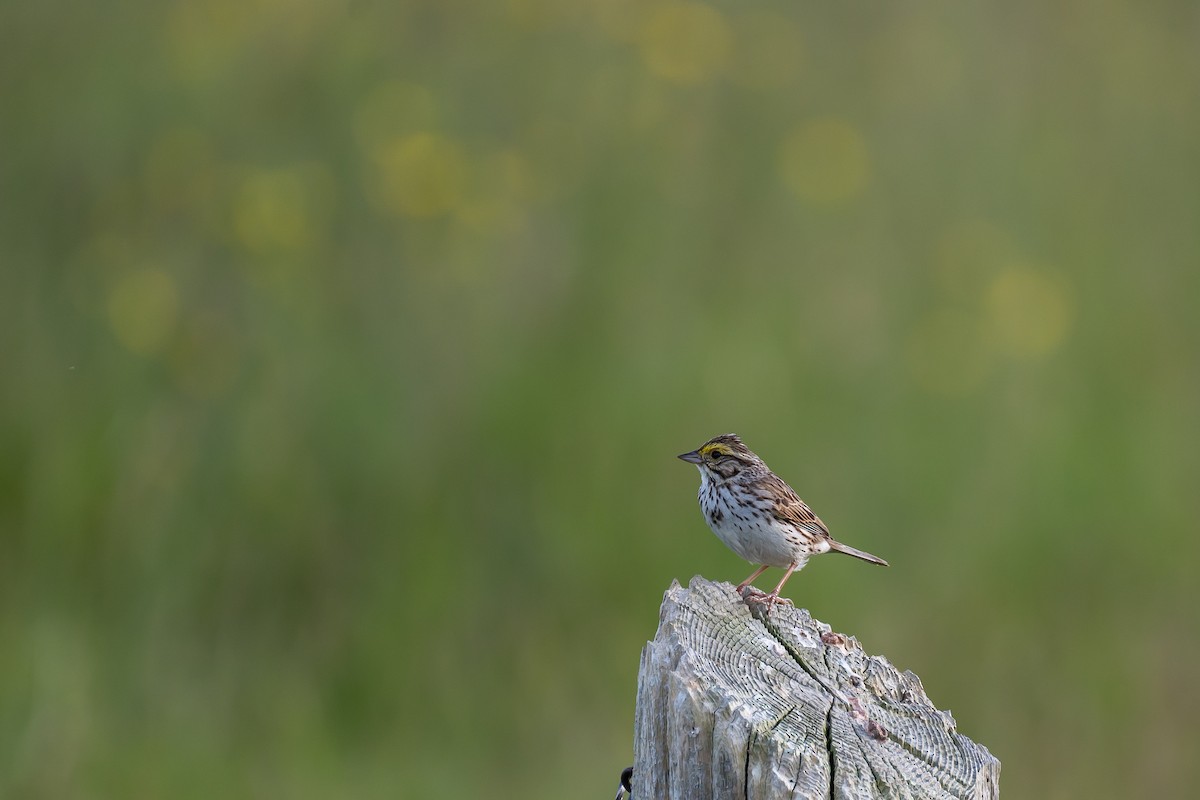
348, 347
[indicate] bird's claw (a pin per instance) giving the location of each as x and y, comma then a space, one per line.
759, 597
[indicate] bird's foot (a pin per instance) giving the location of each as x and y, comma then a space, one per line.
759, 597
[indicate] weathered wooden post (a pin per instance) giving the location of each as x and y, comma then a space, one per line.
734, 707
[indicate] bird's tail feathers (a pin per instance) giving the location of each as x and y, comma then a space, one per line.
838, 547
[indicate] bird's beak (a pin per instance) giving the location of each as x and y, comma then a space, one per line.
692, 457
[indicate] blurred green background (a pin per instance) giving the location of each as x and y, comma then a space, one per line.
348, 347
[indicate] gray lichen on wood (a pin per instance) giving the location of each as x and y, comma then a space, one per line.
734, 705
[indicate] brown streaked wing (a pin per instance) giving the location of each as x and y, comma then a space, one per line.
790, 508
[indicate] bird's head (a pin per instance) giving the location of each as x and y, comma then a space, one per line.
722, 457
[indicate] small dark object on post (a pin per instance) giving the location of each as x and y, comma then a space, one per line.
625, 789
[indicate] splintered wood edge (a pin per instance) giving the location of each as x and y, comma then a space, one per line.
735, 704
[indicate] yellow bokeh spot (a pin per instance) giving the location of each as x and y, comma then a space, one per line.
945, 353
825, 162
422, 175
283, 209
1029, 312
142, 310
393, 109
684, 42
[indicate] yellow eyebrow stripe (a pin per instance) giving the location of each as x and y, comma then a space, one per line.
717, 449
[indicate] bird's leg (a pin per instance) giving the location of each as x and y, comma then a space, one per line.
750, 580
772, 598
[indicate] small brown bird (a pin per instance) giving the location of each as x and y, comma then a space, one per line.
757, 515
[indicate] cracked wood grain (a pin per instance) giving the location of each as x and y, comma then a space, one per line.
734, 706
